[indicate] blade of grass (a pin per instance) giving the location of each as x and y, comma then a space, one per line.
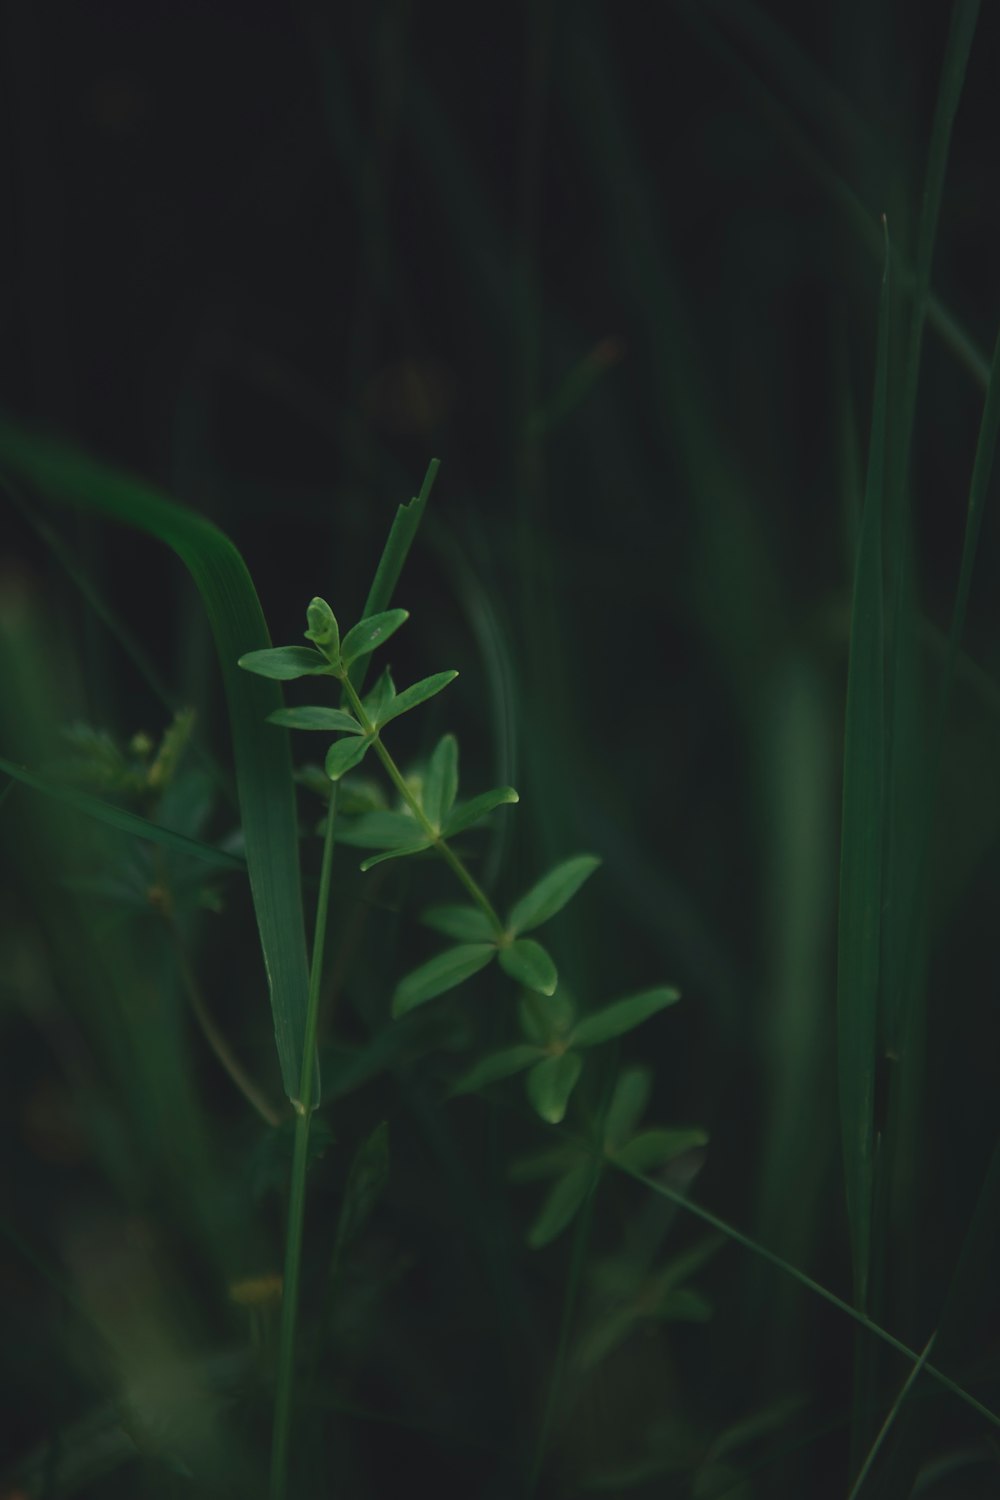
856, 1316
855, 210
122, 819
263, 761
903, 955
858, 948
394, 554
893, 1412
387, 573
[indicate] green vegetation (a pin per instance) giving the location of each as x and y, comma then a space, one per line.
369, 1122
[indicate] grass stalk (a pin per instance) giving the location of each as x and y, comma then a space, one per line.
285, 1390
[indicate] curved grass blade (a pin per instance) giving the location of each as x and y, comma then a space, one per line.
263, 761
859, 929
394, 554
122, 819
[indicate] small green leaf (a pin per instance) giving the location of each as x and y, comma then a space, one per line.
551, 893
344, 754
550, 1084
547, 1018
441, 973
399, 853
285, 663
466, 923
628, 1105
441, 782
561, 1206
368, 634
323, 630
381, 829
470, 812
334, 720
498, 1065
378, 703
527, 963
654, 1148
622, 1016
418, 693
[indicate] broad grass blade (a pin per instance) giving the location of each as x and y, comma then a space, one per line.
261, 752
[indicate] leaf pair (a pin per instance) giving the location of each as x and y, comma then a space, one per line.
400, 833
329, 656
550, 1049
577, 1169
522, 959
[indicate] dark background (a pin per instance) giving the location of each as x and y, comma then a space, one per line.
618, 267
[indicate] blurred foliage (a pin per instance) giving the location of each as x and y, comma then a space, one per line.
619, 267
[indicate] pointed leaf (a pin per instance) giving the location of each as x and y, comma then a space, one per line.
426, 688
628, 1105
400, 853
551, 893
470, 812
550, 1084
622, 1016
344, 754
368, 634
498, 1065
654, 1148
466, 923
561, 1206
284, 663
323, 630
441, 782
528, 963
441, 973
333, 720
380, 829
378, 703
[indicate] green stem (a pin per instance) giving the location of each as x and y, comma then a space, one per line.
285, 1391
433, 834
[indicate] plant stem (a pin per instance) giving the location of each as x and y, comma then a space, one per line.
433, 834
250, 1090
285, 1391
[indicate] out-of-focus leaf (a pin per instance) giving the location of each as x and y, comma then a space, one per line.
467, 924
550, 1084
498, 1065
441, 973
564, 1201
620, 1017
551, 893
654, 1148
527, 962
